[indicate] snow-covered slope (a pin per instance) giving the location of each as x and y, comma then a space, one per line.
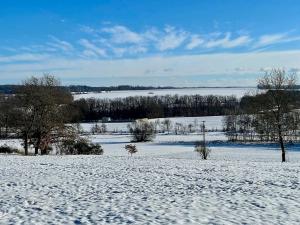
165, 182
233, 187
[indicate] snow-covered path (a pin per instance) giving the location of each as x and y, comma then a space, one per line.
148, 190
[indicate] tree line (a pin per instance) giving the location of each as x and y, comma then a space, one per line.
139, 107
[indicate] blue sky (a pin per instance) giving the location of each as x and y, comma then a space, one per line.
158, 42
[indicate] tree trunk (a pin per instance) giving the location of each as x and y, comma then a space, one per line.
26, 144
281, 144
36, 150
6, 129
37, 145
282, 148
43, 151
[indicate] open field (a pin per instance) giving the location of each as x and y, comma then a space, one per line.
238, 92
165, 182
236, 186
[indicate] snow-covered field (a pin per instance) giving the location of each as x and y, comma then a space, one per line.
238, 92
165, 182
233, 187
211, 123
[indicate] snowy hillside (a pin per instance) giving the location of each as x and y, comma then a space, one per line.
234, 187
165, 182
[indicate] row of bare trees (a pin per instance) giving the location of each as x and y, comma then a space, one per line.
138, 107
260, 127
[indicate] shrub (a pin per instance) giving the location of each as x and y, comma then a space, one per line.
131, 149
6, 149
203, 151
81, 147
142, 131
98, 129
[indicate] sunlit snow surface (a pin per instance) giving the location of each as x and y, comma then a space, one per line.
166, 182
231, 188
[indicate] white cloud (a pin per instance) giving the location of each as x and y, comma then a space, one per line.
227, 42
121, 40
271, 39
171, 39
27, 57
90, 55
243, 66
129, 42
195, 41
91, 49
131, 50
121, 35
61, 45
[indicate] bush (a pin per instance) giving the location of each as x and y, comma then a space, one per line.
98, 129
131, 149
203, 151
6, 149
142, 131
81, 147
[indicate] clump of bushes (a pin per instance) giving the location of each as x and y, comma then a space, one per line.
131, 149
80, 146
142, 131
99, 129
7, 150
203, 151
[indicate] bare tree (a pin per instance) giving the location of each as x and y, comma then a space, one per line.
167, 125
277, 102
40, 106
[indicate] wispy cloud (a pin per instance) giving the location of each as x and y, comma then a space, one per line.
195, 41
171, 39
27, 57
60, 44
118, 41
121, 35
271, 39
91, 49
169, 66
228, 42
132, 50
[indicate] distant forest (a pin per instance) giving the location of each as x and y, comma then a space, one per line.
153, 107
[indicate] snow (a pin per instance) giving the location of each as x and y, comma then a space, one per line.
148, 190
165, 182
238, 92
